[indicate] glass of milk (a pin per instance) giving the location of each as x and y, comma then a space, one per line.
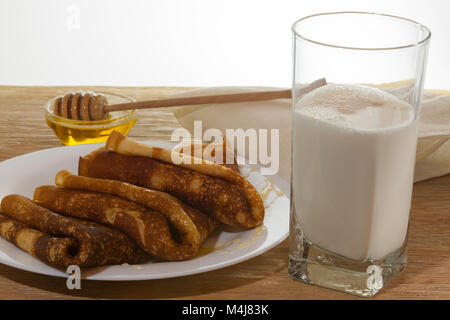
353, 147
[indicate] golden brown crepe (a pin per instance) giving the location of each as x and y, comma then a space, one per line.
64, 241
150, 229
209, 187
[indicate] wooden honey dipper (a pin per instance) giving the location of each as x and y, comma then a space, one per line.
91, 106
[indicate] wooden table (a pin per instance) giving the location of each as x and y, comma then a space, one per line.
427, 276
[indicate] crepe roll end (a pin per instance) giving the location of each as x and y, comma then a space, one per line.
9, 202
60, 177
66, 179
83, 165
41, 194
114, 140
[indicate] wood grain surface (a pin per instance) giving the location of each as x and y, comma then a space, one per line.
23, 130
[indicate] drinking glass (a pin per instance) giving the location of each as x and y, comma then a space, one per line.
351, 187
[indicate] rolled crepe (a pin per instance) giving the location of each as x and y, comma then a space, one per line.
150, 229
186, 220
209, 187
64, 241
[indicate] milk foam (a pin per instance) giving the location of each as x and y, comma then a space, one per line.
356, 107
354, 151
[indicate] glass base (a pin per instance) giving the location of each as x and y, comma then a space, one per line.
313, 265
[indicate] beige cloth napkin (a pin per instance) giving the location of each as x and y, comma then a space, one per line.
433, 149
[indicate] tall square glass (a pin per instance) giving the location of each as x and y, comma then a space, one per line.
352, 172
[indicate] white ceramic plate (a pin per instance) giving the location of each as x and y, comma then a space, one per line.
223, 248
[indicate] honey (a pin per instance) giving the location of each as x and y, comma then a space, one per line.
73, 132
72, 135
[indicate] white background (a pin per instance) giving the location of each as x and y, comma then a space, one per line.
180, 43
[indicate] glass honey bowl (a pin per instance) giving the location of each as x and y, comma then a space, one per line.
72, 132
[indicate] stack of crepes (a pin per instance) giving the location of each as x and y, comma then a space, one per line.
433, 149
130, 202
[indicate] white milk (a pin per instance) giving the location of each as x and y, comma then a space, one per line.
354, 154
